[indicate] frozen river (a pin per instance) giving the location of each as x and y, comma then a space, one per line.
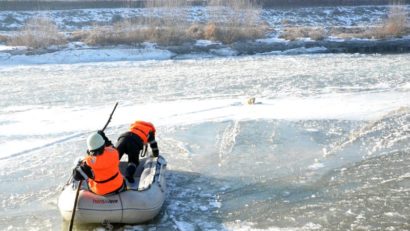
325, 147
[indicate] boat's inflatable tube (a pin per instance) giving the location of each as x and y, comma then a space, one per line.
130, 206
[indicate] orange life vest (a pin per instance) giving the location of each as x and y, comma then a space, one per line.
142, 129
107, 175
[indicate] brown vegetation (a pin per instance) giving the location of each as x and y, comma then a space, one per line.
234, 20
294, 33
119, 33
167, 23
196, 31
38, 33
3, 38
394, 26
348, 32
86, 4
165, 28
229, 21
127, 32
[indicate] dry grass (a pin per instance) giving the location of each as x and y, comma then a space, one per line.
234, 20
211, 32
112, 35
38, 33
168, 24
164, 25
232, 33
3, 38
348, 32
394, 26
294, 33
127, 32
196, 31
120, 33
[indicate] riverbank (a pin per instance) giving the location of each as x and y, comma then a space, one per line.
202, 31
76, 4
81, 53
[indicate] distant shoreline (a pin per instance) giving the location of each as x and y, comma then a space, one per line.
6, 5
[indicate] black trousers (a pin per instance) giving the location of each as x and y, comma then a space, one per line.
130, 144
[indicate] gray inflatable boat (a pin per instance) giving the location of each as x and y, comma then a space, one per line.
130, 207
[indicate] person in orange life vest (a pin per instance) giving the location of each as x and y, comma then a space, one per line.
101, 167
132, 143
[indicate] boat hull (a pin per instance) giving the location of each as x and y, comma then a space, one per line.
130, 207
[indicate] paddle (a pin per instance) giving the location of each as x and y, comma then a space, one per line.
81, 181
75, 205
109, 119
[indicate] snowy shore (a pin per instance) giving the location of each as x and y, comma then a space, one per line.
76, 4
79, 52
346, 19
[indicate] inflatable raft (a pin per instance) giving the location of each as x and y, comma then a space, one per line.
130, 207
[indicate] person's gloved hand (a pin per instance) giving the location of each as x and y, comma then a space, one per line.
78, 161
77, 175
83, 172
106, 140
155, 153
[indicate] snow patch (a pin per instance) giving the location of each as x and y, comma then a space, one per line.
300, 50
184, 226
83, 55
10, 48
272, 40
406, 86
316, 166
205, 43
215, 204
224, 52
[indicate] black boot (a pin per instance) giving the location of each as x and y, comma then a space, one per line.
130, 171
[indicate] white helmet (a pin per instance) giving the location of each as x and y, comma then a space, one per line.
95, 141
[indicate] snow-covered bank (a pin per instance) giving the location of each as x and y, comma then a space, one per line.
83, 55
76, 4
80, 53
308, 30
77, 19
